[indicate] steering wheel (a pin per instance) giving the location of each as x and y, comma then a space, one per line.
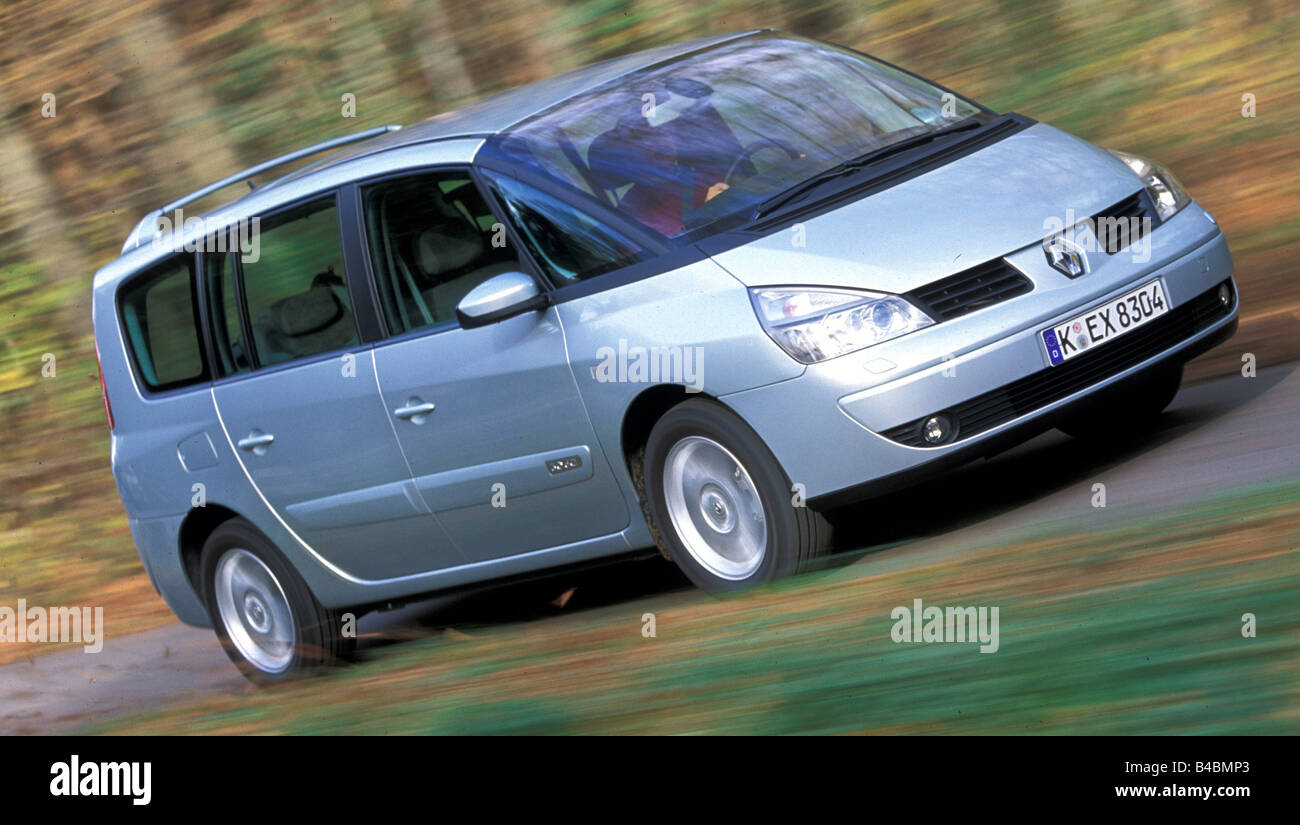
746, 152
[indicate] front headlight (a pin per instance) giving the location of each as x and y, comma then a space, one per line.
1165, 190
817, 324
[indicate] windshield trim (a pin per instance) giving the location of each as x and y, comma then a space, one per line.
796, 191
908, 164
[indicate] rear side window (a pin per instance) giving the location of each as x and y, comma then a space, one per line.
160, 321
296, 297
231, 351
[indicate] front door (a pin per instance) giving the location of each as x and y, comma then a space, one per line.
490, 419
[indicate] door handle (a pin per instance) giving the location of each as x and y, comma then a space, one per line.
415, 410
257, 441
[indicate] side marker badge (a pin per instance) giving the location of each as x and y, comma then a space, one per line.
560, 465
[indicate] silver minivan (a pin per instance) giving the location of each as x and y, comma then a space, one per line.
682, 301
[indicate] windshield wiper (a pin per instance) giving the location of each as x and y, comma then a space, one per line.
783, 197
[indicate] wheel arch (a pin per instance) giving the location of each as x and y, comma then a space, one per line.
198, 525
647, 408
652, 403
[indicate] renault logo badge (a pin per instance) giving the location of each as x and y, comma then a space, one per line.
1066, 256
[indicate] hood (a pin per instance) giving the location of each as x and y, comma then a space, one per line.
975, 209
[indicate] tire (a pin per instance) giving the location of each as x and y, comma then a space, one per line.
276, 630
1130, 409
720, 501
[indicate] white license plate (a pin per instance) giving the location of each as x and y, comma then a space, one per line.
1105, 322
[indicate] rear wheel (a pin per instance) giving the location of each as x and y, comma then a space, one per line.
721, 502
1133, 407
265, 616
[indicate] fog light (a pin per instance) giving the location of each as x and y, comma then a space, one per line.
936, 429
1225, 294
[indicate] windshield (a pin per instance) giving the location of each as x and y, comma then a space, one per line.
679, 146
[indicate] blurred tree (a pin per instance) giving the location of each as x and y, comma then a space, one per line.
178, 105
436, 50
41, 223
814, 18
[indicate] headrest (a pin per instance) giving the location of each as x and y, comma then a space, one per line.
314, 321
437, 251
307, 312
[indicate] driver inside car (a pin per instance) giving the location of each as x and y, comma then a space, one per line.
640, 164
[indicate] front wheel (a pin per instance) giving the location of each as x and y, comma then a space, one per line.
265, 616
722, 503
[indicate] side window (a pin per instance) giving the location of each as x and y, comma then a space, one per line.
160, 319
296, 298
570, 244
219, 273
432, 238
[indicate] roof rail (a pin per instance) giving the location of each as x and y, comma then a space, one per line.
148, 229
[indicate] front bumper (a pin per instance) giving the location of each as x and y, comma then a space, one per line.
1177, 333
842, 440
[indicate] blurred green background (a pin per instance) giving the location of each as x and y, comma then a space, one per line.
154, 99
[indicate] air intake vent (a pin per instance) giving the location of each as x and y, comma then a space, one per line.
978, 287
1124, 223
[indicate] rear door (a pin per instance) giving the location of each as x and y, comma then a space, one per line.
301, 403
489, 418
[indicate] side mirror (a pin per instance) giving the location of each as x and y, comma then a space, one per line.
500, 297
